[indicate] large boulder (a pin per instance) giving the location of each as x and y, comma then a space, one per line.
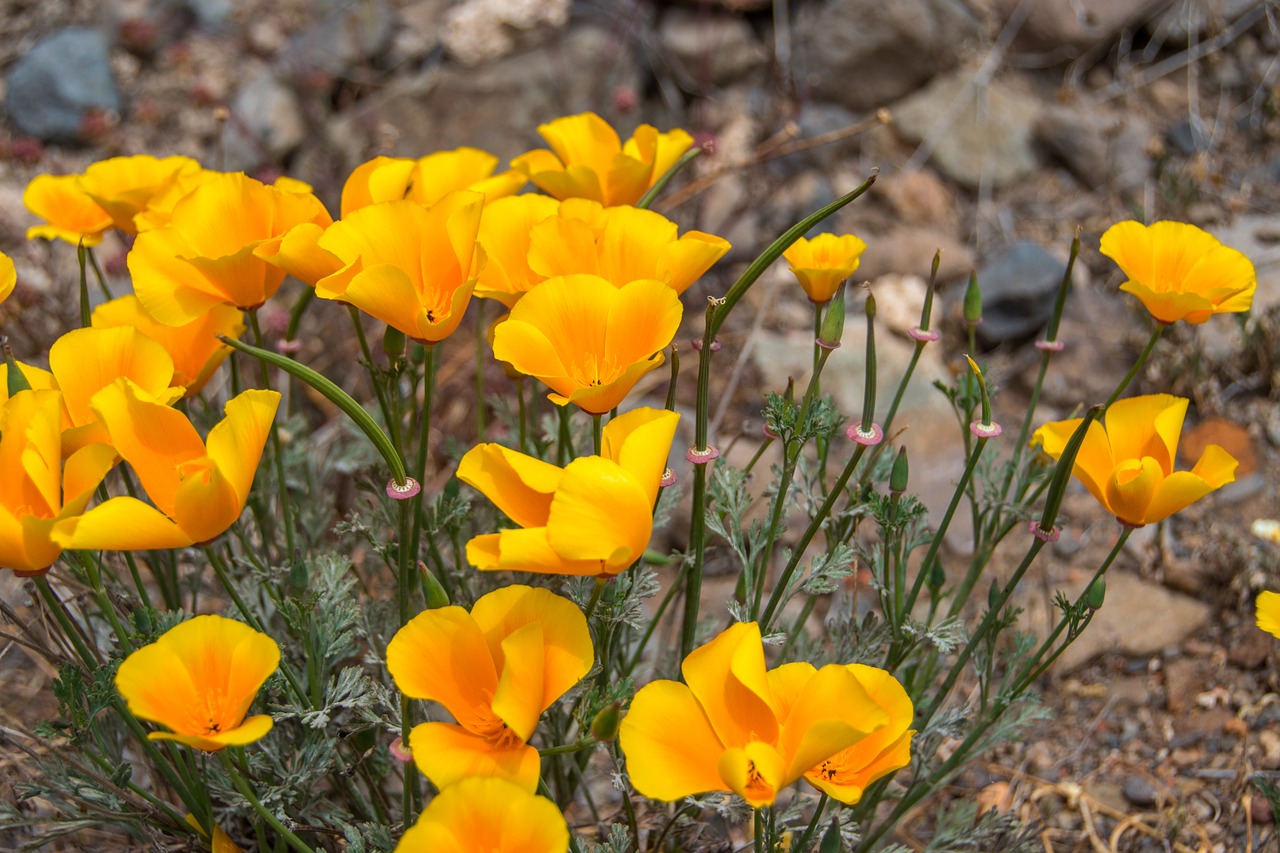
63, 82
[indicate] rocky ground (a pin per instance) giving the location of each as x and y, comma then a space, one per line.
998, 128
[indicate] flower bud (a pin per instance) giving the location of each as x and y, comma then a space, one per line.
831, 838
393, 345
993, 595
898, 474
17, 381
973, 301
1096, 594
604, 727
431, 589
833, 321
937, 576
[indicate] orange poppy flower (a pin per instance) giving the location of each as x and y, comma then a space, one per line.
822, 263
428, 179
70, 214
198, 679
124, 186
487, 814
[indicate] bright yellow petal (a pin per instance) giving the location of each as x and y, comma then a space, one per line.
600, 512
442, 655
727, 675
525, 551
488, 814
72, 216
1213, 470
756, 772
206, 503
672, 752
84, 361
235, 443
563, 246
1269, 612
8, 276
535, 353
642, 321
380, 179
443, 172
685, 261
627, 180
298, 253
519, 485
1132, 488
640, 442
563, 641
121, 523
124, 186
832, 712
506, 228
1146, 426
447, 754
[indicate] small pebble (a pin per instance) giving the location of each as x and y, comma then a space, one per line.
1140, 793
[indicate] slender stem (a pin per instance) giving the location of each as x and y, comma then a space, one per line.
277, 450
1137, 365
597, 433
246, 790
564, 440
802, 845
698, 520
758, 836
480, 349
64, 621
524, 416
97, 271
81, 250
595, 598
653, 622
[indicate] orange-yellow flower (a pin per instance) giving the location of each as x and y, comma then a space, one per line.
198, 489
1179, 271
37, 490
495, 669
587, 160
428, 179
194, 347
198, 680
592, 517
506, 229
208, 253
124, 186
490, 815
1127, 461
621, 244
822, 263
8, 276
588, 340
1269, 612
84, 361
70, 214
733, 726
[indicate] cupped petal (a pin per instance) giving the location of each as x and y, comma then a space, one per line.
506, 229
727, 675
489, 814
70, 213
380, 179
627, 180
124, 186
1146, 426
235, 443
560, 245
683, 262
206, 503
447, 754
525, 551
832, 712
254, 728
600, 512
1180, 489
298, 252
85, 361
535, 354
563, 641
121, 523
640, 442
755, 772
671, 749
519, 485
8, 276
1093, 463
442, 655
1132, 488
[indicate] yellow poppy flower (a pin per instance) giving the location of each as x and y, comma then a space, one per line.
194, 347
84, 361
124, 186
37, 490
198, 489
207, 254
822, 263
592, 517
1269, 612
506, 228
495, 669
620, 244
486, 814
588, 340
68, 211
1127, 461
733, 726
427, 179
198, 679
587, 160
1179, 271
412, 267
8, 276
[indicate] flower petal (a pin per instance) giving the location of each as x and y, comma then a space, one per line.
672, 751
519, 485
442, 655
600, 512
728, 676
447, 754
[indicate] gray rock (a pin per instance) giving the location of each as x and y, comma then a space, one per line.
350, 35
1018, 289
214, 14
711, 48
1188, 138
976, 134
63, 80
1101, 149
865, 53
1141, 793
910, 249
815, 119
266, 123
1064, 29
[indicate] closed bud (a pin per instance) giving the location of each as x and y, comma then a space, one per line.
142, 620
298, 574
973, 301
790, 394
432, 591
17, 381
604, 727
993, 595
937, 576
832, 328
1096, 594
898, 475
393, 345
831, 842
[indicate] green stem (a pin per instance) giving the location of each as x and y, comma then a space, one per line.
597, 433
758, 840
242, 785
277, 450
802, 845
479, 381
97, 272
659, 185
84, 286
1137, 365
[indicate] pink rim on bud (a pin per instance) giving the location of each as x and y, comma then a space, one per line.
869, 437
924, 336
668, 478
1050, 535
1051, 346
410, 489
398, 752
982, 430
768, 433
701, 457
715, 344
820, 342
289, 347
